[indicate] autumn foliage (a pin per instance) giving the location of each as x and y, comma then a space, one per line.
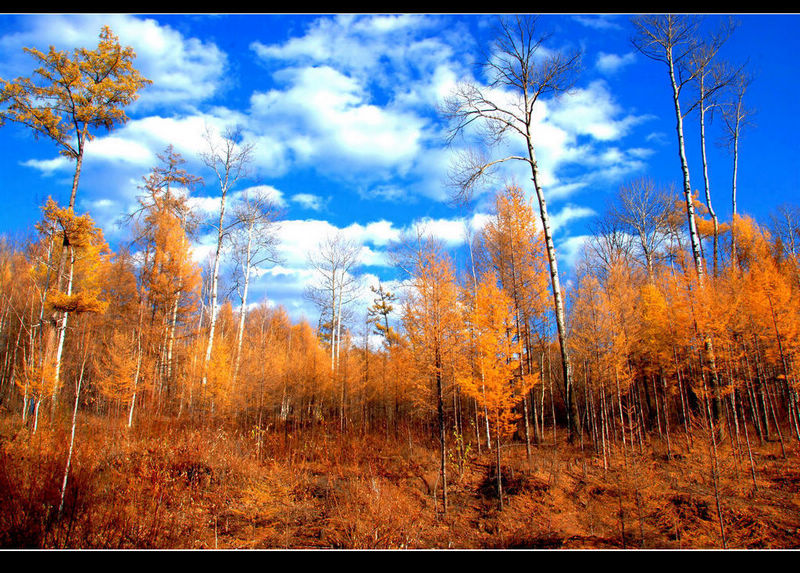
439, 415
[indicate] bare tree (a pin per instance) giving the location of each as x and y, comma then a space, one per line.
643, 209
230, 160
336, 287
671, 39
610, 244
785, 227
254, 243
736, 117
709, 76
521, 73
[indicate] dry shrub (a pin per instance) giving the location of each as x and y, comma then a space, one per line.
30, 478
374, 514
514, 482
687, 520
124, 490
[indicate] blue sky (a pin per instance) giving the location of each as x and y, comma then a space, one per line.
342, 112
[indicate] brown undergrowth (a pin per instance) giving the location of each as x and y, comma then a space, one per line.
177, 486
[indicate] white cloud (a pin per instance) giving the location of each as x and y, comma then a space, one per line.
612, 63
185, 134
381, 232
592, 111
365, 46
114, 148
569, 213
329, 113
569, 250
340, 128
270, 192
599, 22
206, 207
49, 166
309, 201
452, 232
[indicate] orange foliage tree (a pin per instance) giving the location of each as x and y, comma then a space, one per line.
495, 380
87, 251
432, 324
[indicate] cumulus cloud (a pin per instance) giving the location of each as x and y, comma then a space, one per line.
599, 22
569, 213
120, 149
49, 166
592, 111
570, 249
612, 63
367, 46
309, 201
362, 91
341, 129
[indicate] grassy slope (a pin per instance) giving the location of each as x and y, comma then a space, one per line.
169, 487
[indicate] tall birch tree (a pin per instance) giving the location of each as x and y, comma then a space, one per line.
255, 242
672, 40
736, 116
709, 76
521, 74
230, 160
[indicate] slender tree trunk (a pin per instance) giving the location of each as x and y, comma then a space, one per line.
440, 415
242, 314
712, 437
78, 166
749, 449
71, 439
136, 376
172, 327
706, 181
214, 284
527, 428
339, 322
555, 282
733, 194
687, 186
604, 425
62, 331
499, 467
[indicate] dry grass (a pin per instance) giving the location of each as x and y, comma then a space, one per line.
169, 486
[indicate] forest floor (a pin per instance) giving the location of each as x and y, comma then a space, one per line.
165, 486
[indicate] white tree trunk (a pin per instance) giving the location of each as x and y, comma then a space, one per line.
687, 186
243, 309
136, 377
71, 439
62, 331
214, 283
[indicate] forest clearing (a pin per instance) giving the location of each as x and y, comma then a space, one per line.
482, 398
